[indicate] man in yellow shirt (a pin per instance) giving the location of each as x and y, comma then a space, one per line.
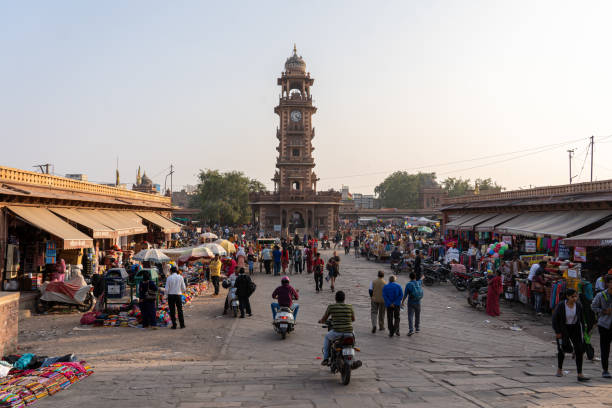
215, 272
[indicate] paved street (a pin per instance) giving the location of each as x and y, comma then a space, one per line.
461, 358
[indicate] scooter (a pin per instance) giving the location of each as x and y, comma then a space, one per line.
477, 293
233, 300
284, 322
48, 298
342, 355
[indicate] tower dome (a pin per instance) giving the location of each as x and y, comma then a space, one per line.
295, 63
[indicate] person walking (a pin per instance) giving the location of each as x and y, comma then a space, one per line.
251, 260
266, 255
175, 286
414, 294
537, 289
297, 260
377, 307
318, 272
569, 326
494, 290
392, 294
244, 286
147, 293
276, 256
215, 272
602, 305
309, 258
284, 260
356, 246
333, 267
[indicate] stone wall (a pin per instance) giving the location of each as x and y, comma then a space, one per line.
9, 322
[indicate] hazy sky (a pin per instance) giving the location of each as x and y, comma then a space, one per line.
406, 85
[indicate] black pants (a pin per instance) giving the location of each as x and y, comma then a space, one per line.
318, 277
605, 337
215, 282
297, 266
347, 250
393, 319
267, 265
575, 336
244, 304
175, 302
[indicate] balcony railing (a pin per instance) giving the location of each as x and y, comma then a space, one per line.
538, 192
10, 175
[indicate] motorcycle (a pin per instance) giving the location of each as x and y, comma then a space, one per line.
435, 273
460, 278
284, 322
325, 244
477, 292
57, 294
509, 289
342, 355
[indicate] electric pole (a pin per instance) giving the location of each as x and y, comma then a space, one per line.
592, 146
571, 154
46, 167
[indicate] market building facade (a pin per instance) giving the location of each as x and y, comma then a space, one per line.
295, 206
45, 218
570, 222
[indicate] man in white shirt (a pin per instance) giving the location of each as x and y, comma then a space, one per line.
175, 286
534, 268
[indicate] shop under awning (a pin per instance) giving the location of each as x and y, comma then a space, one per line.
490, 224
601, 236
88, 219
44, 219
123, 222
554, 224
165, 224
454, 224
470, 224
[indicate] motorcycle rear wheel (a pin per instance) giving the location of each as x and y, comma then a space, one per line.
283, 335
41, 305
87, 304
235, 310
428, 281
460, 287
346, 374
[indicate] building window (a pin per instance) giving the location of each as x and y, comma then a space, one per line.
296, 152
295, 185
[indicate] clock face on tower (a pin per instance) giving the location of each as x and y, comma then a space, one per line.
296, 116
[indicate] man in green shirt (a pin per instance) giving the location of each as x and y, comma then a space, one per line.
342, 316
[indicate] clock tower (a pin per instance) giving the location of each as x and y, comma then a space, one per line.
298, 208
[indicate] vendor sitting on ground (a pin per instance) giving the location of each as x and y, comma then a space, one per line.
147, 292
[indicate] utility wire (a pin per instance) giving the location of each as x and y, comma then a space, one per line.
586, 154
554, 145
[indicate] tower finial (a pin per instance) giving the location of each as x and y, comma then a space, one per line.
294, 49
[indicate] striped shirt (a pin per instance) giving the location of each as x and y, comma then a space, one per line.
342, 317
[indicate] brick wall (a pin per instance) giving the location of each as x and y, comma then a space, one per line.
9, 319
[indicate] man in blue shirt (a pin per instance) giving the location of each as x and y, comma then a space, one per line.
414, 293
392, 295
276, 255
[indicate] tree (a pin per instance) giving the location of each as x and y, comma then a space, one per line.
457, 186
401, 189
256, 186
488, 185
224, 197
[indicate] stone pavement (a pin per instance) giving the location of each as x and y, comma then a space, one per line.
461, 358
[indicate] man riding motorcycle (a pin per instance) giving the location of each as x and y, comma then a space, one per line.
285, 294
342, 316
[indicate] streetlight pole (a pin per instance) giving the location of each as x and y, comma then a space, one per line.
571, 153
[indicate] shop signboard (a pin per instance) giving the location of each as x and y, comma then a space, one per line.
530, 245
507, 239
564, 252
277, 227
580, 254
532, 259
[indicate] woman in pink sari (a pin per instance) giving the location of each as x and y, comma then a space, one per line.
494, 291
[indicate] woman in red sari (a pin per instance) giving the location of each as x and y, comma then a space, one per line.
494, 291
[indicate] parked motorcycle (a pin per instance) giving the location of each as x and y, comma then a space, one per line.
477, 292
460, 279
58, 294
284, 322
435, 273
342, 355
